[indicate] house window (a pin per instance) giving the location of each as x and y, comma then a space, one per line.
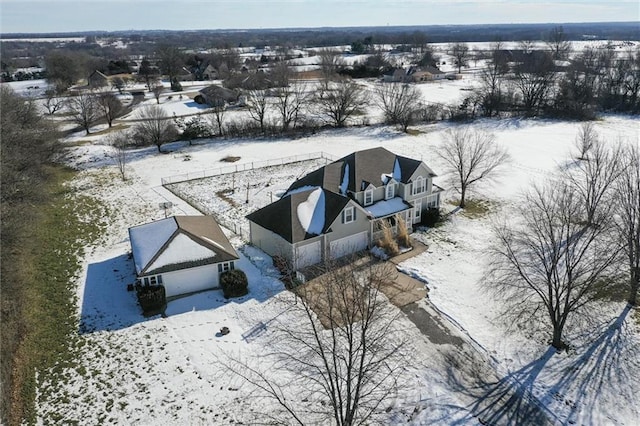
225, 266
417, 210
418, 185
368, 197
348, 215
390, 191
152, 280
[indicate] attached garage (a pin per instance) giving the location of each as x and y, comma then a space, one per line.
308, 254
348, 245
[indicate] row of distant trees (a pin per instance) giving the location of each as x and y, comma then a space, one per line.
534, 84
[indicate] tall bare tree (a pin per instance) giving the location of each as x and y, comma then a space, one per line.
340, 350
627, 218
109, 105
330, 62
460, 51
585, 139
171, 62
550, 263
257, 106
154, 127
119, 142
594, 179
53, 102
216, 118
156, 87
340, 100
84, 110
471, 156
534, 80
558, 43
289, 103
399, 103
492, 78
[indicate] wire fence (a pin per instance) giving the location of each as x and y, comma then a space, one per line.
245, 166
239, 227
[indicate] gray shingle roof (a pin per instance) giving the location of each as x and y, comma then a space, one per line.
281, 217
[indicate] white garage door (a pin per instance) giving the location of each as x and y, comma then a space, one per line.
308, 254
348, 245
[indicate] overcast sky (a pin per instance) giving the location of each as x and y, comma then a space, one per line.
39, 16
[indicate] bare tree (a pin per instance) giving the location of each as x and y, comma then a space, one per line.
627, 218
330, 62
147, 73
460, 51
340, 100
154, 127
585, 139
119, 83
53, 102
281, 74
492, 76
110, 106
119, 142
549, 264
289, 103
344, 348
534, 79
84, 110
526, 46
471, 156
257, 106
399, 103
171, 61
558, 44
216, 118
593, 180
156, 87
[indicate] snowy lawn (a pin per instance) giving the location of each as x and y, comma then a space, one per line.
136, 370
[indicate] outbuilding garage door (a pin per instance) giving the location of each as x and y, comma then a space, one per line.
308, 254
348, 245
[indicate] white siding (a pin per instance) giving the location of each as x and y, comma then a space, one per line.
348, 245
191, 279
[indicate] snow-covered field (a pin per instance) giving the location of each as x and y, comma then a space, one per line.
136, 370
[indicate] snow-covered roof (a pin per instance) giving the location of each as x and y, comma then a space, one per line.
311, 213
387, 207
178, 242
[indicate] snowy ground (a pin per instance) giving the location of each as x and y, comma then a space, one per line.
169, 371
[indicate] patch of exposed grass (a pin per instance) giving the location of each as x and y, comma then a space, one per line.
51, 263
475, 209
612, 289
230, 159
415, 132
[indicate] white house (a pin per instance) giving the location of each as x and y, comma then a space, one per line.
340, 208
184, 253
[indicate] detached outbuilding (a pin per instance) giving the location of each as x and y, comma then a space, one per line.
184, 253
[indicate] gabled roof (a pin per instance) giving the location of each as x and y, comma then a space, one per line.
178, 242
357, 170
301, 215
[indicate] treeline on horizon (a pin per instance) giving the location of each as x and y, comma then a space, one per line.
331, 36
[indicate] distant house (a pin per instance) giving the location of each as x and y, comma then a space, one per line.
98, 79
414, 75
184, 253
216, 96
210, 73
342, 207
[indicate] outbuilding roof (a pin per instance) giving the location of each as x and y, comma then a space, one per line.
178, 242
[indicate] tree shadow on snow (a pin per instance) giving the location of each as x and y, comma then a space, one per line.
603, 369
509, 401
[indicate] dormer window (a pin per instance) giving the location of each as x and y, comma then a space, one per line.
368, 197
389, 191
419, 185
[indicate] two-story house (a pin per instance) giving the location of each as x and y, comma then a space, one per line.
339, 209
